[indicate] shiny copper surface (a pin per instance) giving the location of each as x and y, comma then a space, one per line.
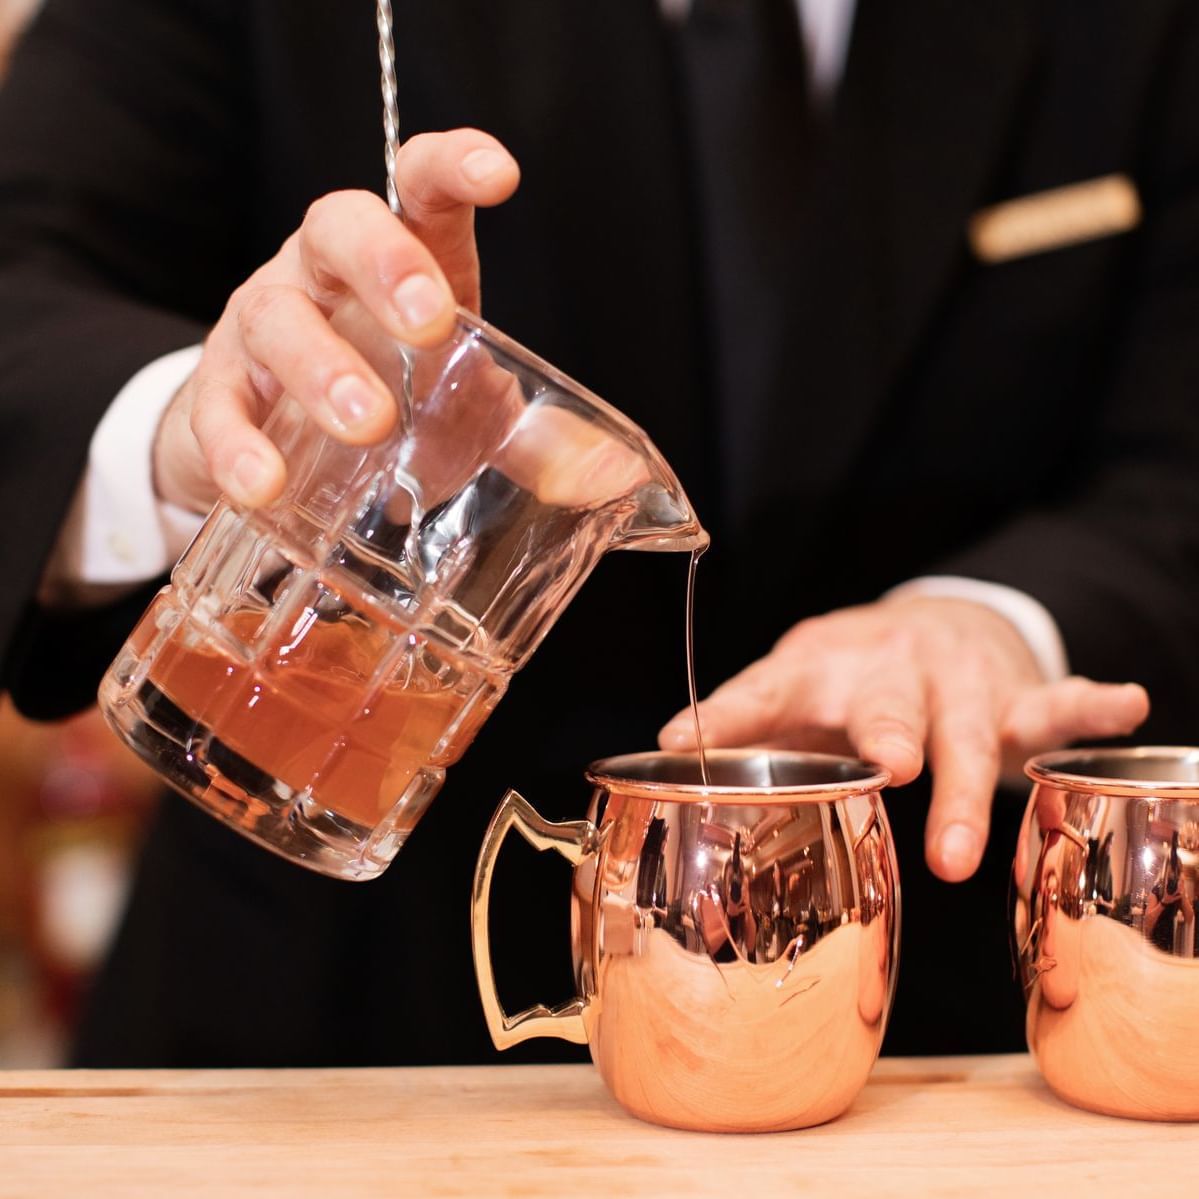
1104, 929
735, 946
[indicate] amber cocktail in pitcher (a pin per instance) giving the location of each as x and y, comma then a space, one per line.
314, 667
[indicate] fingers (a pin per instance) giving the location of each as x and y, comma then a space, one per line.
410, 275
1072, 709
758, 705
945, 675
964, 751
241, 459
288, 336
350, 242
444, 174
441, 179
887, 720
283, 330
273, 339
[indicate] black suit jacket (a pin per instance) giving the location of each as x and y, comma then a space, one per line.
1033, 423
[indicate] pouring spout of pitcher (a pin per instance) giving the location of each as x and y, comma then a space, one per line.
660, 518
663, 521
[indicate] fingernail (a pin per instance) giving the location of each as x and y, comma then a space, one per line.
902, 759
960, 848
249, 474
419, 301
353, 400
480, 165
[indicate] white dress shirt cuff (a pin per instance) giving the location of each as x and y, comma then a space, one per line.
118, 533
1030, 617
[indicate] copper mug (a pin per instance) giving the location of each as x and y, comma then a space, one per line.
1104, 928
735, 945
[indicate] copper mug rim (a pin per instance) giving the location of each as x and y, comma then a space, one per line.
1136, 770
758, 776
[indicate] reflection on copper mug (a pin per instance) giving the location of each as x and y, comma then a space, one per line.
1104, 893
735, 945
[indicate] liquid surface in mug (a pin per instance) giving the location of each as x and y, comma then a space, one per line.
345, 709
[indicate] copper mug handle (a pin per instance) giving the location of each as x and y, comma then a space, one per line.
575, 840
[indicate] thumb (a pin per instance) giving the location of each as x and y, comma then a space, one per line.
1072, 709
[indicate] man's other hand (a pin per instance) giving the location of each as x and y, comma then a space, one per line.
907, 679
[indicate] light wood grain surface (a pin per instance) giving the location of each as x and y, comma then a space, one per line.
931, 1126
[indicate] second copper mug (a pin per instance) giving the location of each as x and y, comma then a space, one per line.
1105, 886
735, 945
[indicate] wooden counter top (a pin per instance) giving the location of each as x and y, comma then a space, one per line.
927, 1126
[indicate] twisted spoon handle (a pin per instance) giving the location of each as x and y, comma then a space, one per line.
391, 106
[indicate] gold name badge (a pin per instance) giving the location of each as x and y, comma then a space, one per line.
1049, 220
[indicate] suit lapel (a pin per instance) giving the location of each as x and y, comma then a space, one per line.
929, 99
950, 77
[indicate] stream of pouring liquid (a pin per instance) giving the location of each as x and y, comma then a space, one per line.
699, 736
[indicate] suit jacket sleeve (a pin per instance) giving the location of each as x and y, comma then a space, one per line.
1116, 558
117, 244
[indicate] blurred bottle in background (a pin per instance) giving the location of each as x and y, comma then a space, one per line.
73, 803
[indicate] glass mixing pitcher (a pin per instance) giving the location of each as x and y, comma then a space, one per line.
315, 666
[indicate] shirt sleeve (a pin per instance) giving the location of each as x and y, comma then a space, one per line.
118, 534
1029, 616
